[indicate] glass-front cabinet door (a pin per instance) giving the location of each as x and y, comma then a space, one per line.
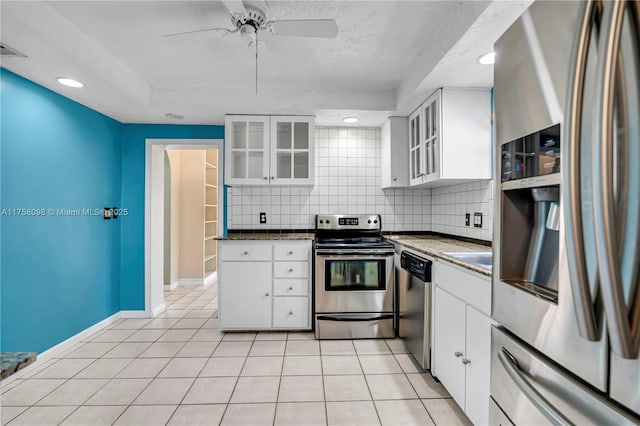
292, 150
247, 151
431, 135
416, 154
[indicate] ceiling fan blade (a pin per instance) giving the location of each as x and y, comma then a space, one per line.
324, 28
222, 31
235, 7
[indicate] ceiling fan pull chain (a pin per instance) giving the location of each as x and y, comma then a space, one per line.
256, 62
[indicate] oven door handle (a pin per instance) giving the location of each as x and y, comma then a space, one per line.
356, 254
351, 318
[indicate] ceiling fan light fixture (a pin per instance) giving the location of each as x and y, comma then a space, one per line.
70, 82
350, 120
487, 58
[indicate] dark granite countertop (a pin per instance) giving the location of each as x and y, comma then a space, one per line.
271, 236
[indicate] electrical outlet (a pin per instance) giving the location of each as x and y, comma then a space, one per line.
467, 219
263, 217
477, 220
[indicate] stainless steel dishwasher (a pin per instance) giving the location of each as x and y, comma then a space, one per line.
415, 306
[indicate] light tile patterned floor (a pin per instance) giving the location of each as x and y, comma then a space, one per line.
178, 369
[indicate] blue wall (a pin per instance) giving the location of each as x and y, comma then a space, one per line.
60, 275
133, 172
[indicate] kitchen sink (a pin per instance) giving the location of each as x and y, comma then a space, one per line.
482, 259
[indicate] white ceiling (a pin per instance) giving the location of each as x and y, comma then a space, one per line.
387, 57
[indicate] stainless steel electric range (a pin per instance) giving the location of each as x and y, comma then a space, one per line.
355, 285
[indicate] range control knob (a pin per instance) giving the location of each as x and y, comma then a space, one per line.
321, 221
369, 221
327, 221
375, 221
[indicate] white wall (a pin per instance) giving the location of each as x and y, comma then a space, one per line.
347, 182
348, 173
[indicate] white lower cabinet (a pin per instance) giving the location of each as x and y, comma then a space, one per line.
264, 285
462, 350
248, 297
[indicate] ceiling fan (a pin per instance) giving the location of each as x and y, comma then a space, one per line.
250, 20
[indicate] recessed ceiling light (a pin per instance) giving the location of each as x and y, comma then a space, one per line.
487, 58
174, 116
350, 120
69, 82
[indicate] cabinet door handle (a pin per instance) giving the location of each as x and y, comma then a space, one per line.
265, 178
458, 354
290, 312
245, 253
266, 294
272, 177
466, 361
290, 269
290, 253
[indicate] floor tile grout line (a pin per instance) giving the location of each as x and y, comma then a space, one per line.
235, 386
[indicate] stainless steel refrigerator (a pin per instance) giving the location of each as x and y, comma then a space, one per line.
566, 284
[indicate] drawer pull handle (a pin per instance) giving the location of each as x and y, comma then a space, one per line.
290, 288
458, 354
466, 361
245, 253
266, 294
290, 269
290, 253
265, 178
290, 312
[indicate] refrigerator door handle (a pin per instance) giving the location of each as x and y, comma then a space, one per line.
510, 365
623, 323
588, 317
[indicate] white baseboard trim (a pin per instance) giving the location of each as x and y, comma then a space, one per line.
63, 346
209, 279
172, 286
192, 281
158, 309
135, 314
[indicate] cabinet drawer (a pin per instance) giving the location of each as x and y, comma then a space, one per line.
291, 251
291, 312
245, 252
291, 269
473, 288
291, 287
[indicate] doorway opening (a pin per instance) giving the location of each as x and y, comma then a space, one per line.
183, 216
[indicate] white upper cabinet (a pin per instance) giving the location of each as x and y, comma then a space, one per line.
394, 158
450, 138
292, 159
269, 150
416, 163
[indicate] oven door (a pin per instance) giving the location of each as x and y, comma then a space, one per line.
354, 281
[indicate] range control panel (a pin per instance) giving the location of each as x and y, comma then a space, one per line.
349, 222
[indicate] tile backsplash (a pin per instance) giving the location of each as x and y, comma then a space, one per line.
450, 203
347, 176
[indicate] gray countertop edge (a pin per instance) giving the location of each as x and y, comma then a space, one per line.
435, 246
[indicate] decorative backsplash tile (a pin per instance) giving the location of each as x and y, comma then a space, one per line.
348, 182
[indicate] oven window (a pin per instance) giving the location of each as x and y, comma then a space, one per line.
349, 275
